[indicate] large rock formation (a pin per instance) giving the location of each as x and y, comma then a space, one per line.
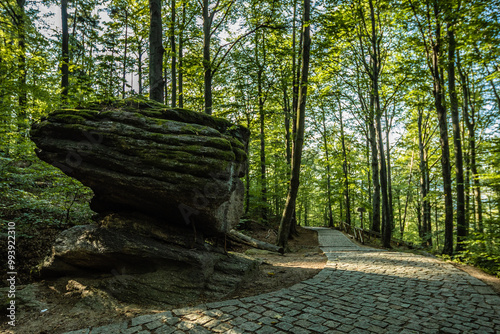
140, 156
164, 180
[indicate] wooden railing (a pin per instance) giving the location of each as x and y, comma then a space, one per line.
363, 235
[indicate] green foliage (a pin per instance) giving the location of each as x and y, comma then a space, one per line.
34, 194
482, 250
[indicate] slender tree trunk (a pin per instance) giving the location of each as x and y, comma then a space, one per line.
23, 93
295, 70
388, 126
386, 219
368, 174
443, 132
457, 140
261, 101
346, 174
470, 122
375, 224
286, 111
469, 117
409, 195
139, 69
155, 52
286, 220
65, 50
181, 46
328, 176
424, 184
124, 81
207, 24
165, 84
174, 56
247, 174
465, 109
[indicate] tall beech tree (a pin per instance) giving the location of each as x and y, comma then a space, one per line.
286, 219
434, 45
457, 137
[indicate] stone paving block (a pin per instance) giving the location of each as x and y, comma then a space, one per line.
185, 325
212, 323
345, 328
199, 330
143, 319
267, 320
303, 323
281, 309
271, 314
239, 312
165, 330
318, 328
268, 330
225, 317
154, 324
222, 328
131, 330
284, 326
298, 330
250, 326
257, 309
228, 309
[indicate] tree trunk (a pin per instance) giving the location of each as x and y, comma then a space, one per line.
375, 223
139, 69
424, 184
368, 175
247, 173
65, 50
207, 24
328, 177
457, 140
174, 58
286, 220
346, 173
443, 133
388, 126
260, 99
125, 55
155, 52
181, 45
469, 117
245, 239
23, 92
286, 111
375, 59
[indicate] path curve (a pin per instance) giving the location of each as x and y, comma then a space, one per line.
361, 290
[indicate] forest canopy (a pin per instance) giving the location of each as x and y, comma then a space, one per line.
401, 123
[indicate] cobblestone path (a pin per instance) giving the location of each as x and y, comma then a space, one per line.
361, 290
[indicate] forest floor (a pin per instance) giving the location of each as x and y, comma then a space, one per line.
60, 305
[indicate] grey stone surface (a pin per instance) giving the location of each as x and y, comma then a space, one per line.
361, 290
